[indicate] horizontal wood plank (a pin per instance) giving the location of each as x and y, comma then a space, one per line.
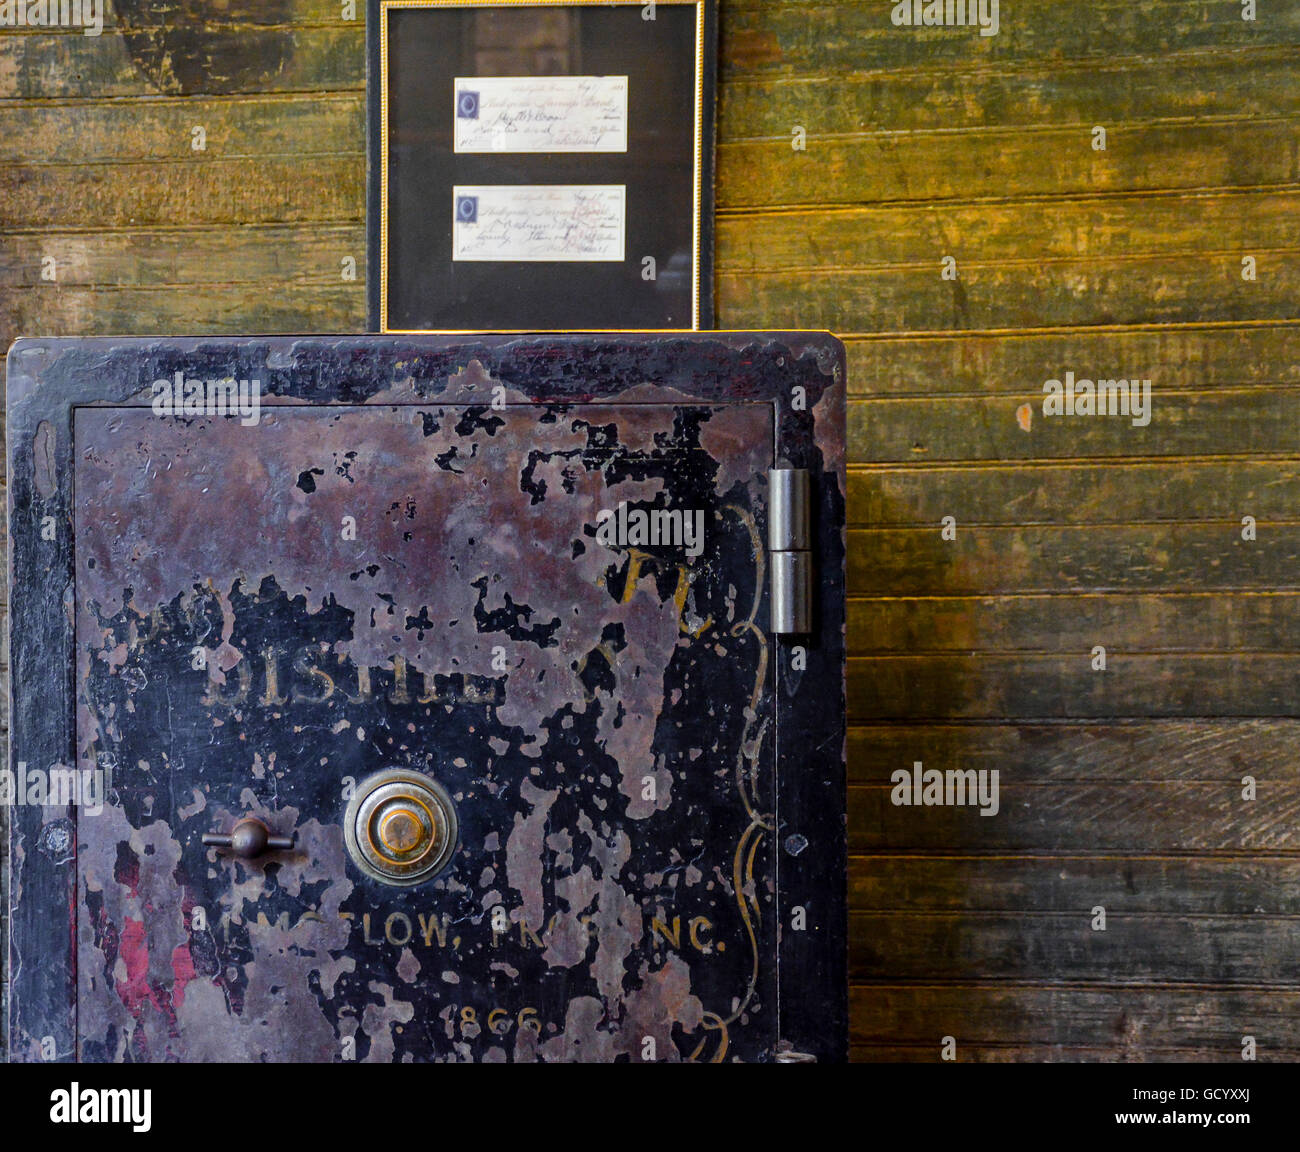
117, 131
1188, 622
262, 259
1003, 163
1145, 947
1132, 817
1115, 93
1192, 356
1217, 752
1084, 558
985, 686
178, 193
210, 309
1114, 491
1027, 293
897, 235
1160, 885
232, 14
857, 35
71, 65
1057, 1054
1138, 417
1125, 1021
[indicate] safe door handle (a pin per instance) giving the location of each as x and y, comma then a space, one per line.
248, 838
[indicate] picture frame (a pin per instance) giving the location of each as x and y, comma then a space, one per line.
542, 166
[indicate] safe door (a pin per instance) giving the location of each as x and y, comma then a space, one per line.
425, 701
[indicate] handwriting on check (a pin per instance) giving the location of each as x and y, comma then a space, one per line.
538, 222
541, 114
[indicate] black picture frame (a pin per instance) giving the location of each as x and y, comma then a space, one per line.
416, 48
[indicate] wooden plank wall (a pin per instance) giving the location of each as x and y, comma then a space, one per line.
1120, 788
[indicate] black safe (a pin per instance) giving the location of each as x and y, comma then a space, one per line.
427, 698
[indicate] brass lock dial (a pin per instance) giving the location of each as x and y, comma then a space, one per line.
400, 827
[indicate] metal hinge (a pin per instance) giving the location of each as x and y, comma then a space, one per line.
789, 534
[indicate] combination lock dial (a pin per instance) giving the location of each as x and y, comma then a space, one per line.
400, 827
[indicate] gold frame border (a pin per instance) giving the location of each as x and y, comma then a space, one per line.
386, 6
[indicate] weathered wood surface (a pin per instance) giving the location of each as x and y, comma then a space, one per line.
996, 1021
1075, 493
1156, 886
1134, 816
1120, 788
1164, 948
1154, 554
1191, 623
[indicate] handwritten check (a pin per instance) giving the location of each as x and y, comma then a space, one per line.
538, 221
541, 114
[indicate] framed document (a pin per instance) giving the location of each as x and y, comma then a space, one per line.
540, 166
